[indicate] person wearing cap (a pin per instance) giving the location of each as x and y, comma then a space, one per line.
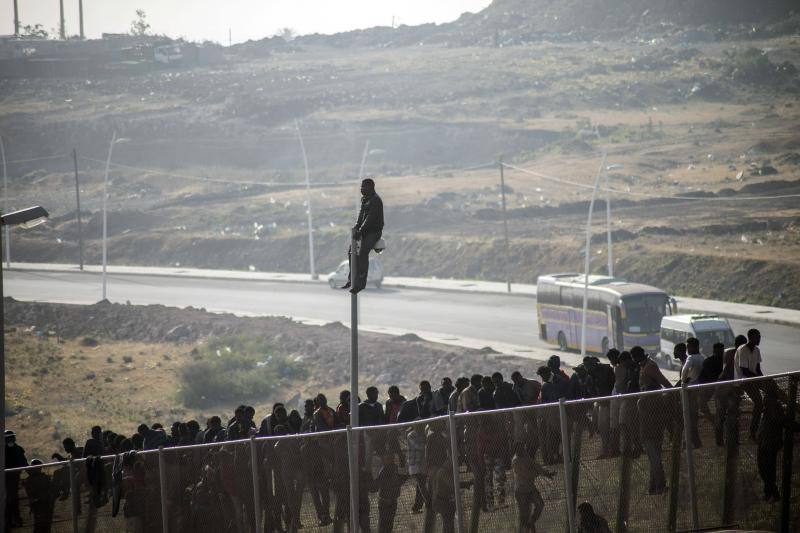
41, 497
15, 458
367, 230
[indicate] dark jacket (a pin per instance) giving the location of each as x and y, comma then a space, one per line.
504, 396
370, 216
370, 414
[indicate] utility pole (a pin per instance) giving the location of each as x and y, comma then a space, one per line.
230, 37
505, 222
308, 201
16, 19
80, 18
78, 204
587, 253
62, 30
5, 202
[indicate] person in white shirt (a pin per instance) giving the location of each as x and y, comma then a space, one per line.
747, 361
747, 364
694, 362
689, 375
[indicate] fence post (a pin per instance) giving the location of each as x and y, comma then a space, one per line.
730, 404
353, 469
74, 496
623, 504
451, 421
674, 479
162, 478
687, 438
256, 483
575, 461
565, 451
786, 470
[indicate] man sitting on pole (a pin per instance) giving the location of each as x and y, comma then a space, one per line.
367, 231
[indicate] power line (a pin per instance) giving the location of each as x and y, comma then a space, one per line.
43, 158
217, 180
647, 195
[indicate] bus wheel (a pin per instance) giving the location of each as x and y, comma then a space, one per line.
562, 341
605, 345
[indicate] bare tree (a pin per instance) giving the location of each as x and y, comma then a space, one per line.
37, 31
287, 34
139, 26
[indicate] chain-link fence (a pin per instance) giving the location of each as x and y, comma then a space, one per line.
677, 459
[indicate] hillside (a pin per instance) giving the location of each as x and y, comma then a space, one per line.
703, 119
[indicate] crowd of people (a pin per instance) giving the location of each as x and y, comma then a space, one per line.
211, 488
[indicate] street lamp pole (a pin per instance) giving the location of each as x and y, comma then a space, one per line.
587, 253
606, 168
105, 213
608, 226
27, 218
5, 203
505, 222
308, 201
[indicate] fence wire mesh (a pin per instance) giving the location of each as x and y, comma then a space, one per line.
627, 458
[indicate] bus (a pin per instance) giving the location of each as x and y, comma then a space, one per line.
620, 314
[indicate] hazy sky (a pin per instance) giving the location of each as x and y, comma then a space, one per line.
248, 19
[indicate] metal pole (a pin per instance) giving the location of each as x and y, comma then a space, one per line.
308, 201
162, 477
105, 213
256, 484
505, 222
608, 225
80, 18
16, 25
624, 495
788, 454
62, 30
2, 398
451, 421
74, 496
687, 434
587, 253
562, 411
78, 207
7, 229
354, 467
674, 477
352, 461
730, 405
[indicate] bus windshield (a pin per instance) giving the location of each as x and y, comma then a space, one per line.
643, 312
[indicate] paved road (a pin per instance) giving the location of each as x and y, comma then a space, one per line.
495, 318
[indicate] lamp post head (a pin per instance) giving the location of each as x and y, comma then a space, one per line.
27, 218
